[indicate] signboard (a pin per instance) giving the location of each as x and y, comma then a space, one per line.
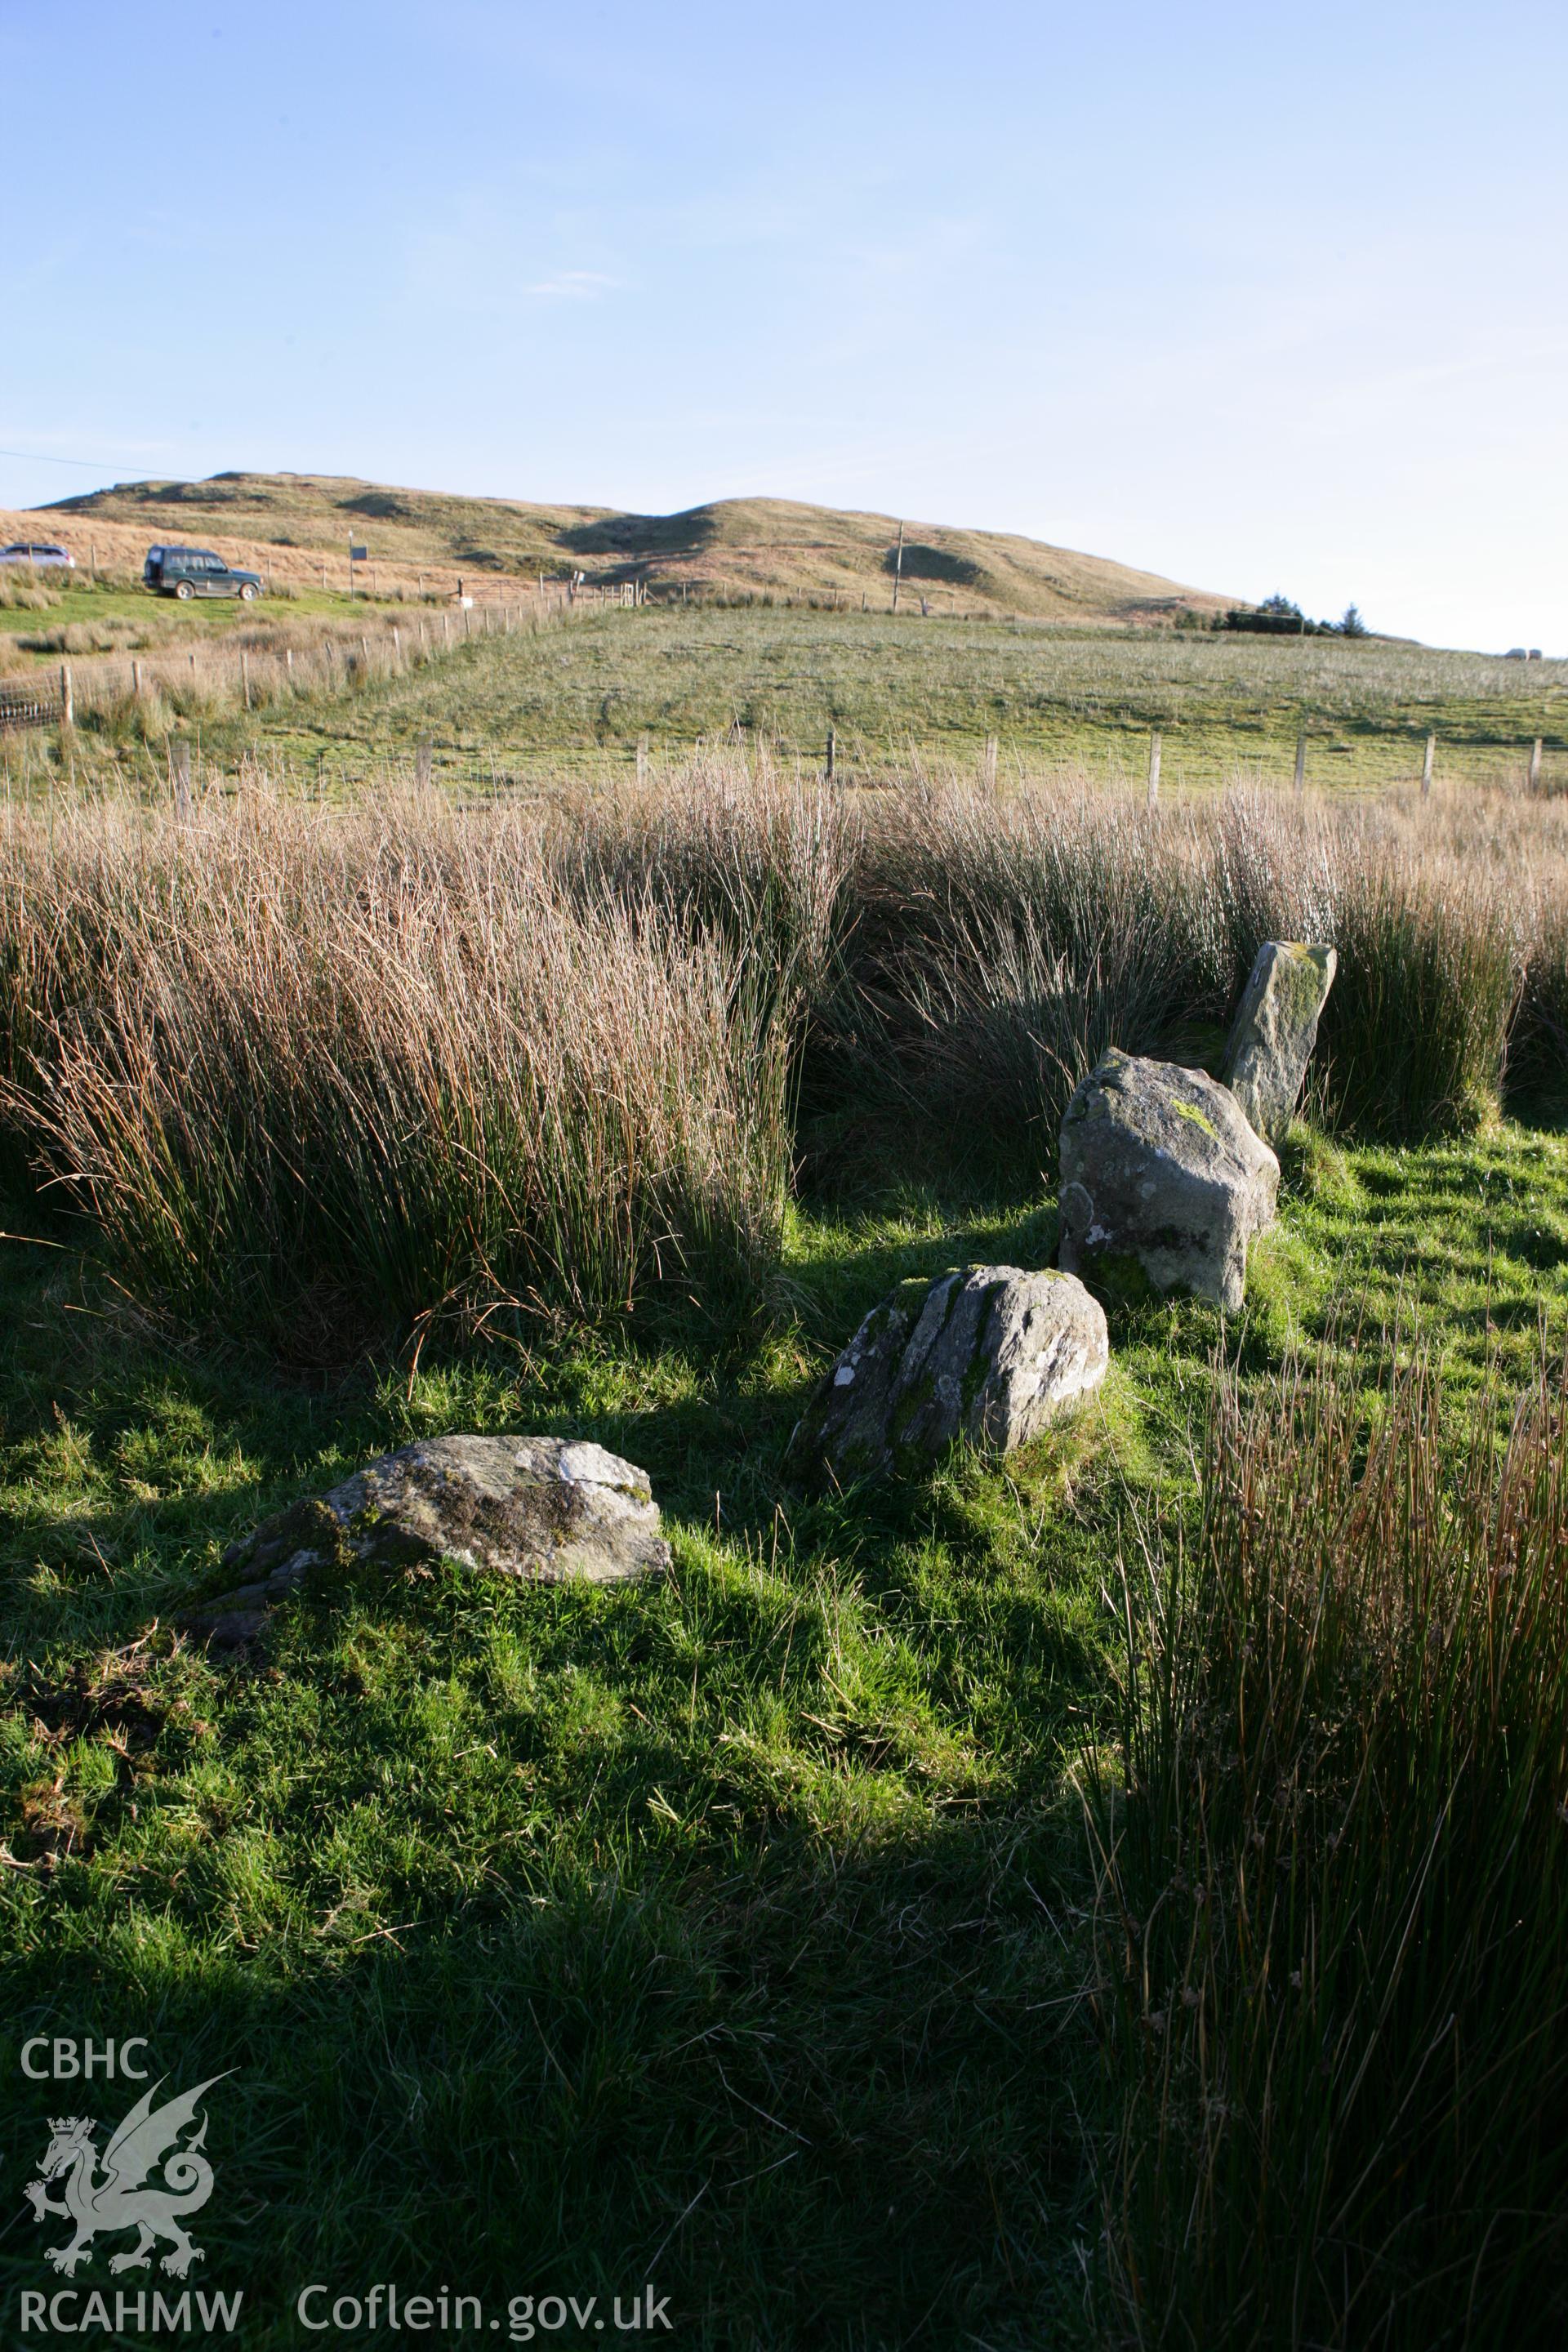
358, 554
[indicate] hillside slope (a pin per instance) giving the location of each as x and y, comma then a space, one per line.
735, 543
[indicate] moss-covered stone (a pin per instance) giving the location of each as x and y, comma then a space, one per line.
986, 1353
1159, 1166
541, 1508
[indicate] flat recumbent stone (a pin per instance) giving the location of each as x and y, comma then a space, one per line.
989, 1353
547, 1510
1162, 1178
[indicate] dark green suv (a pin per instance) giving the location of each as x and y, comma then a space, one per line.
187, 572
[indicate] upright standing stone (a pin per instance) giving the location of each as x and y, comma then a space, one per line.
989, 1353
1162, 1180
1275, 1029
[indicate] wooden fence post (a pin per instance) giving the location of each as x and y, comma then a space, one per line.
832, 754
1301, 760
421, 756
245, 677
1535, 765
1426, 767
642, 759
68, 699
1154, 767
396, 645
136, 680
180, 775
289, 660
446, 628
991, 763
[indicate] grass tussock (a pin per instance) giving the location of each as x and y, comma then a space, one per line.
23, 590
364, 1072
1335, 1880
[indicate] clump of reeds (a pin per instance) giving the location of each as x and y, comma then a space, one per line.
24, 589
1432, 942
86, 637
1001, 947
356, 1073
1334, 1920
937, 967
737, 849
1537, 1046
997, 947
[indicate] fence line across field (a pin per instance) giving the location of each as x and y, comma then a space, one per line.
104, 679
255, 675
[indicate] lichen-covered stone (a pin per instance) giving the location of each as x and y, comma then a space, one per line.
1275, 1029
542, 1509
1162, 1174
989, 1353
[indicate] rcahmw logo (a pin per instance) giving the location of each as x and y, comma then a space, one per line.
151, 2178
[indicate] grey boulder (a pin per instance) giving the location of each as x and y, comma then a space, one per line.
543, 1510
1163, 1183
989, 1353
1275, 1029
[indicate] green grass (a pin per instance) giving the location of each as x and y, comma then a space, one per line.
729, 1932
939, 687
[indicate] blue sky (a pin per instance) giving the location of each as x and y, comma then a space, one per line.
1255, 297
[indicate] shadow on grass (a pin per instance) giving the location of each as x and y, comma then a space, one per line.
724, 1934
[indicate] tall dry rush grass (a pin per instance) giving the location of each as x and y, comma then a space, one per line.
403, 1056
1335, 1880
326, 1077
1000, 946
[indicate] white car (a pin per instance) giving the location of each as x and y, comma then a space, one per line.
38, 554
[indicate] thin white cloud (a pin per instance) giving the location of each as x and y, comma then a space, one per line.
573, 286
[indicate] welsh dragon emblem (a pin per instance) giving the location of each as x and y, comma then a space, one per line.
117, 2198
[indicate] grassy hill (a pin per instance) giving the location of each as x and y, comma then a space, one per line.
734, 544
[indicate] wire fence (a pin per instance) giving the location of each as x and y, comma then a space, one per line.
268, 666
37, 703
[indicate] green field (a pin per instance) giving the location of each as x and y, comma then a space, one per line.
582, 696
731, 1934
579, 695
